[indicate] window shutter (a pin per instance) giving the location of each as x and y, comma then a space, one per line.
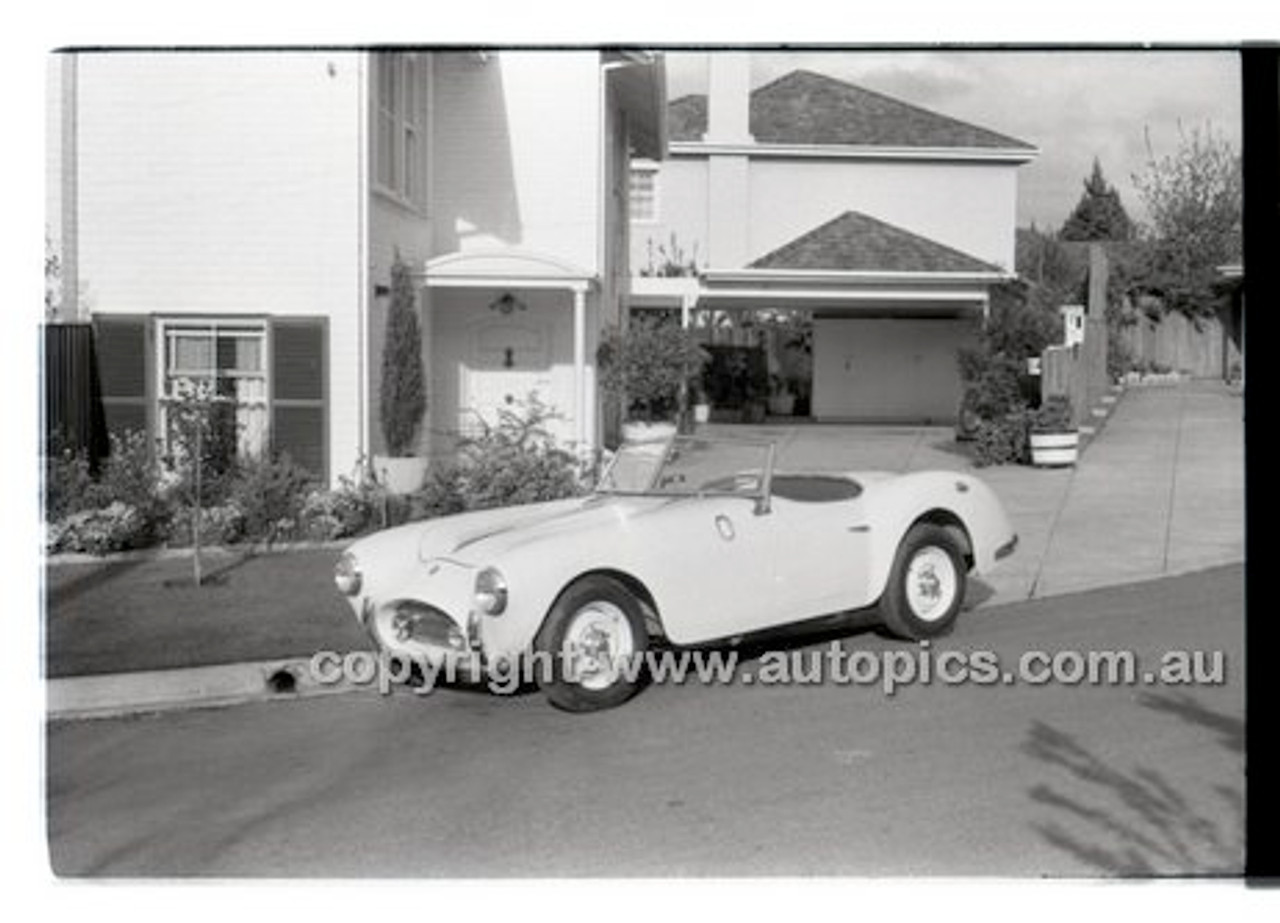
124, 351
299, 392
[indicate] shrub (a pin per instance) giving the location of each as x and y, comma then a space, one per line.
1001, 441
1017, 325
129, 477
67, 482
648, 365
441, 493
332, 514
1120, 359
129, 473
223, 524
512, 463
1053, 416
270, 492
992, 383
116, 527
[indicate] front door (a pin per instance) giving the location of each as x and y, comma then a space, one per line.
509, 362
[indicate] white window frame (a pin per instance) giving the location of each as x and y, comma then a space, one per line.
649, 169
407, 111
169, 327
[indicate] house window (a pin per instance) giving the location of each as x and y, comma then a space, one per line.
399, 138
644, 192
228, 359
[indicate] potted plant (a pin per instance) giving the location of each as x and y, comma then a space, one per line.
1053, 436
699, 400
649, 368
782, 401
403, 389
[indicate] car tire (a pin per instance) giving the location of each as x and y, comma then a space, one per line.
926, 584
595, 622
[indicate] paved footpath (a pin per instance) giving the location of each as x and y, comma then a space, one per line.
1158, 492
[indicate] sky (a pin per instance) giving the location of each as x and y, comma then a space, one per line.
1072, 105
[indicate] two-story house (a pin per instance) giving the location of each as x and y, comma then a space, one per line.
885, 223
232, 217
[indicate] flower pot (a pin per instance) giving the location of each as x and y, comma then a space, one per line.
1051, 449
639, 432
701, 413
401, 475
782, 405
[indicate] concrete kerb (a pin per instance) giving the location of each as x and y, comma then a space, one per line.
114, 695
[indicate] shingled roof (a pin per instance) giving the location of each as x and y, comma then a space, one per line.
803, 107
854, 242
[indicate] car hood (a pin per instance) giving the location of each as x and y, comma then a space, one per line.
481, 537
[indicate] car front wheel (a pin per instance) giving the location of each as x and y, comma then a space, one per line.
592, 644
926, 585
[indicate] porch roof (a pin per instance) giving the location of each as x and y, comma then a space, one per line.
511, 268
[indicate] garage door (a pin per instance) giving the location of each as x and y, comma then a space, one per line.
888, 370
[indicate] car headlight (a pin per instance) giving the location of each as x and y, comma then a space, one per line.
491, 591
346, 574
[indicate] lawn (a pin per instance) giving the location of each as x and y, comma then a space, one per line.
122, 616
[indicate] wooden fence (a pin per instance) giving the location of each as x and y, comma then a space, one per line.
1207, 347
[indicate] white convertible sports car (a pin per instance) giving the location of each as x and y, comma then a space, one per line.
691, 541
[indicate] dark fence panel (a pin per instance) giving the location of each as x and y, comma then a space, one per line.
72, 392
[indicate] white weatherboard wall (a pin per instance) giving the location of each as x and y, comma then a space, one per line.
517, 145
224, 184
971, 207
968, 206
891, 370
682, 209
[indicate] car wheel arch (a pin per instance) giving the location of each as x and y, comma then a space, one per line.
949, 520
630, 582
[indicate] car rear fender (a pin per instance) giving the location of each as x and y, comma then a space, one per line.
958, 503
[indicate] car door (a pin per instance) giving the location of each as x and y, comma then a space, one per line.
821, 564
710, 567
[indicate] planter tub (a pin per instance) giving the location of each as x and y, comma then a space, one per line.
701, 413
1050, 449
782, 405
400, 475
636, 432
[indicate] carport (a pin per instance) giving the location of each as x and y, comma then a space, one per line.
889, 309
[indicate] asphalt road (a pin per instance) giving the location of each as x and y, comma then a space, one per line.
831, 779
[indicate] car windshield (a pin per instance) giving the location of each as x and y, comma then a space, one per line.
689, 466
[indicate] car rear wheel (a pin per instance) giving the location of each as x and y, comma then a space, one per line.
926, 585
592, 644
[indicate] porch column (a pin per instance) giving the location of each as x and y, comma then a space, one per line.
686, 309
580, 367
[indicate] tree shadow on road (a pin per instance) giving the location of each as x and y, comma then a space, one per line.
1136, 822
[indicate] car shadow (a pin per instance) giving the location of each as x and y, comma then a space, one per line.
1135, 822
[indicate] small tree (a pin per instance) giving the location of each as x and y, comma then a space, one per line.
1195, 200
403, 391
1098, 215
196, 414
